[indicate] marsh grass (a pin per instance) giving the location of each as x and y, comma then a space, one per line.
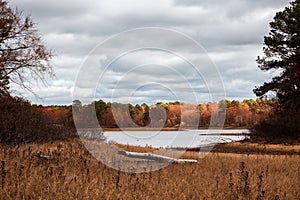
66, 170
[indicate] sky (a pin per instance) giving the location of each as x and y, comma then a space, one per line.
194, 51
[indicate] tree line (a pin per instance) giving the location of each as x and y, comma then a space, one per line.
173, 114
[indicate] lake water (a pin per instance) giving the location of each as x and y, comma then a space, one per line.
180, 139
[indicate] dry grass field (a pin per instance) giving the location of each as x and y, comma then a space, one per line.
66, 170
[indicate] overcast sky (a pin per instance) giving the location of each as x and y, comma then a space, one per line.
230, 31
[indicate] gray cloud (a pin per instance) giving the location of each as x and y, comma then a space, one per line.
230, 31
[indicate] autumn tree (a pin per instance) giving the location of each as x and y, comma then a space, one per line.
23, 57
282, 53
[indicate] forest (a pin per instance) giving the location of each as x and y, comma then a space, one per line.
172, 114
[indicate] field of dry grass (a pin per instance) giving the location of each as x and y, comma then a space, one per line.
66, 170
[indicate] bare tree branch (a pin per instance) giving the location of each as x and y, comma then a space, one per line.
22, 54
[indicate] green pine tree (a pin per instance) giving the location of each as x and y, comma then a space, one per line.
282, 53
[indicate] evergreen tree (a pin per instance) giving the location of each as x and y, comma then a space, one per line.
282, 53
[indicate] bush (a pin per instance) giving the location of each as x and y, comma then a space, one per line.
22, 123
282, 126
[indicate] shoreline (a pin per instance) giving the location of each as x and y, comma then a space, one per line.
239, 147
245, 147
171, 128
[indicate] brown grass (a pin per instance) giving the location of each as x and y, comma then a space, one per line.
70, 172
257, 148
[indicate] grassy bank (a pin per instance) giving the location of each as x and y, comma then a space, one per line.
66, 170
172, 128
240, 147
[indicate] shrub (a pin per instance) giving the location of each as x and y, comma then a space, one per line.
22, 123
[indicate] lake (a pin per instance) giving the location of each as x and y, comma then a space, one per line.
175, 139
